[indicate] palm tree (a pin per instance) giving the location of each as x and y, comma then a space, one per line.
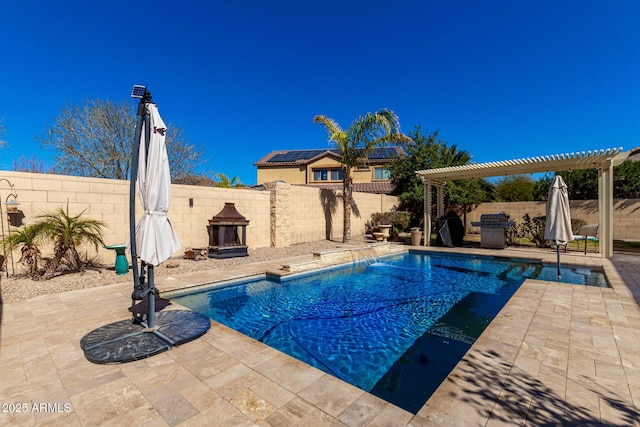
30, 251
225, 182
68, 233
451, 156
355, 144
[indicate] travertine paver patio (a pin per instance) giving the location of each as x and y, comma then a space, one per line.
556, 354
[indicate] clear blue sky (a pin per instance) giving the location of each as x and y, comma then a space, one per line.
500, 79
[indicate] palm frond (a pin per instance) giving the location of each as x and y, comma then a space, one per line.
60, 226
392, 119
329, 123
333, 128
25, 236
367, 129
395, 139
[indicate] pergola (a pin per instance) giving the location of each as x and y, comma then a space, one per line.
603, 160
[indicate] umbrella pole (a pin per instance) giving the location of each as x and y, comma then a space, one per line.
558, 250
137, 287
151, 314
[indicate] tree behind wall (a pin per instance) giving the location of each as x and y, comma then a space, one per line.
31, 164
583, 184
94, 139
515, 188
429, 151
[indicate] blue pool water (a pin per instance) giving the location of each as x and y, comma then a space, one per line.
394, 328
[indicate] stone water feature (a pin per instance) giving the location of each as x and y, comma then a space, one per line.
344, 255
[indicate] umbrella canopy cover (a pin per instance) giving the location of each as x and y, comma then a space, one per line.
558, 226
156, 239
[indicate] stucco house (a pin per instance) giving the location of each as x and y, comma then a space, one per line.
321, 168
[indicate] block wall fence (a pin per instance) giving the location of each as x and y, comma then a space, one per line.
280, 216
626, 214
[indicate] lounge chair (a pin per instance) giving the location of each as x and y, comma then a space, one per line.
587, 233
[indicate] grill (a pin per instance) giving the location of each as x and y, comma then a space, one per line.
492, 230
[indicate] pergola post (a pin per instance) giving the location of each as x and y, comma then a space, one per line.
605, 208
440, 199
427, 212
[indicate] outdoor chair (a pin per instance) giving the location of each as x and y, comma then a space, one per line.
587, 233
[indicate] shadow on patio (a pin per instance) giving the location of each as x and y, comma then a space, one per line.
502, 392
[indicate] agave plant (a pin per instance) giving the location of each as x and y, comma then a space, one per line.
67, 233
27, 238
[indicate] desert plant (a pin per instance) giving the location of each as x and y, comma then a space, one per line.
30, 252
510, 233
533, 229
67, 233
576, 223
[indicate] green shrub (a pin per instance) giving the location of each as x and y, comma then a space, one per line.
510, 233
576, 223
533, 229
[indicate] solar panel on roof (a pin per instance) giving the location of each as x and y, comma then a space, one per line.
308, 154
292, 156
305, 154
383, 153
295, 155
278, 158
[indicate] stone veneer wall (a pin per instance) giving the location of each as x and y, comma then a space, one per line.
626, 214
283, 216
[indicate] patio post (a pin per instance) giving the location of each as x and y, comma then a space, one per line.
427, 212
605, 207
440, 199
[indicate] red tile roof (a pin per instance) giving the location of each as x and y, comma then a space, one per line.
360, 187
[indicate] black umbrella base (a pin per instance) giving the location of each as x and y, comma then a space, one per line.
126, 341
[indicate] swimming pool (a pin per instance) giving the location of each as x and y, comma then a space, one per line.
394, 328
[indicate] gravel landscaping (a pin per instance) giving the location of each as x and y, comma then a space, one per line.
20, 287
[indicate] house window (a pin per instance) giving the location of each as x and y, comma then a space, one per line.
381, 173
327, 175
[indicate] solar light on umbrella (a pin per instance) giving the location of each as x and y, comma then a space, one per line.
151, 241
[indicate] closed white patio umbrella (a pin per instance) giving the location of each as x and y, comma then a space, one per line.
156, 239
558, 225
